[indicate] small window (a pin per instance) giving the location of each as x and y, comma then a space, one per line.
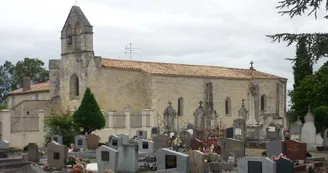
12, 101
74, 87
36, 97
263, 102
78, 28
180, 106
228, 106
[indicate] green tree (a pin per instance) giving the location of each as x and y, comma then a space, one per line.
89, 116
317, 43
11, 76
63, 125
313, 90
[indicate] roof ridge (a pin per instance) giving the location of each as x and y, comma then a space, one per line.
175, 63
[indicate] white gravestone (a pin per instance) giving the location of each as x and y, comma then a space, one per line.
309, 132
238, 131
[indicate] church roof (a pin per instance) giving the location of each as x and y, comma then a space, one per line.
170, 69
40, 87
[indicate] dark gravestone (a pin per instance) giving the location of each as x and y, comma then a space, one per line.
170, 161
254, 167
274, 148
105, 156
145, 145
295, 150
79, 142
56, 156
114, 142
56, 139
284, 166
229, 132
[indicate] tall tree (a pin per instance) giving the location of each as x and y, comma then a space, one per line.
11, 76
317, 43
89, 116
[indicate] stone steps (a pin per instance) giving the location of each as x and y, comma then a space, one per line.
12, 163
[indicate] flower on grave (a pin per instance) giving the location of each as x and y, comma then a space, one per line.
310, 168
281, 155
107, 171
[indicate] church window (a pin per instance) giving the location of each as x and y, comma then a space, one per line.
78, 28
180, 106
69, 34
228, 106
74, 87
263, 102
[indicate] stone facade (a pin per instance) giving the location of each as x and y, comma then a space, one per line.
115, 86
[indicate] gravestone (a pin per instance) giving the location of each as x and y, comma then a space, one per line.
295, 150
57, 154
232, 147
195, 144
160, 141
284, 165
309, 132
295, 129
4, 144
155, 131
318, 140
81, 142
272, 131
142, 134
57, 138
114, 141
93, 141
186, 137
125, 138
253, 164
128, 158
33, 152
197, 161
229, 132
168, 159
239, 127
274, 148
146, 146
325, 138
107, 158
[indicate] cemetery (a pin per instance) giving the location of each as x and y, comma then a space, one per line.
199, 147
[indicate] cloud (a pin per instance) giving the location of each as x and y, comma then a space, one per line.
211, 32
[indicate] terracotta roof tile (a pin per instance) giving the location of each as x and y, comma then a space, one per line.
34, 88
169, 69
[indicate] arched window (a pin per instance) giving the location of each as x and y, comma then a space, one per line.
69, 34
228, 106
74, 86
180, 106
263, 102
78, 28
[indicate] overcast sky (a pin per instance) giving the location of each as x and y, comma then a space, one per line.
210, 32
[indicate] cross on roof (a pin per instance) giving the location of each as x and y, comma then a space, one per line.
200, 103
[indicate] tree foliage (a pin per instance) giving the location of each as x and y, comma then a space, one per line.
89, 116
11, 76
317, 43
313, 90
63, 125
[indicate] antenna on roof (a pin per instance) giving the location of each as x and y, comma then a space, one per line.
130, 50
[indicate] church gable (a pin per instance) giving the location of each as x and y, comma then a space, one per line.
74, 16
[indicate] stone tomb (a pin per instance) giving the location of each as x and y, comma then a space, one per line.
284, 165
57, 138
239, 128
146, 146
142, 134
272, 131
107, 158
197, 161
253, 164
274, 148
186, 137
232, 147
93, 141
325, 138
168, 159
128, 158
295, 150
160, 141
81, 141
33, 152
57, 154
155, 131
125, 138
114, 141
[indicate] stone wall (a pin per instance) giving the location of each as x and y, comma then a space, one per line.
19, 98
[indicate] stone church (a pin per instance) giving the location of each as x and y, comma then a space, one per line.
140, 85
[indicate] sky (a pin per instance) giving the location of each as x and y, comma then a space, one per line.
211, 32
